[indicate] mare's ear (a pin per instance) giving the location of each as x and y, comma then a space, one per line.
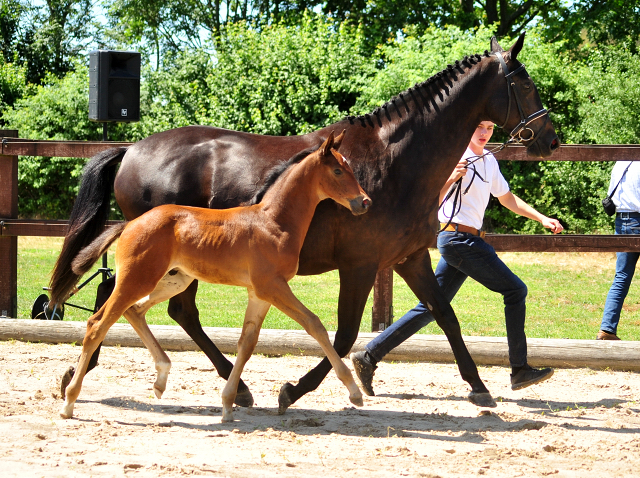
517, 47
495, 48
338, 140
327, 145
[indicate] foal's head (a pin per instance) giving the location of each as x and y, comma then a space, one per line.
337, 180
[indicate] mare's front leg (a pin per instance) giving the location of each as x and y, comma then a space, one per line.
355, 286
280, 295
254, 316
182, 309
419, 276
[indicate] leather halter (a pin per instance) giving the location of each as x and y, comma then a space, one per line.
525, 121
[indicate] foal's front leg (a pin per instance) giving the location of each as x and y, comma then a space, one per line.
280, 295
254, 316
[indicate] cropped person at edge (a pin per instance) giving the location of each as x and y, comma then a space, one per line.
626, 175
464, 253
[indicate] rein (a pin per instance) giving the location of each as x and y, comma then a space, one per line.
515, 137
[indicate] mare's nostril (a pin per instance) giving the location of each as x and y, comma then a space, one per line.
366, 203
555, 144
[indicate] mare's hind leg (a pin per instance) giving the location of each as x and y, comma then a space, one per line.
182, 309
280, 295
254, 316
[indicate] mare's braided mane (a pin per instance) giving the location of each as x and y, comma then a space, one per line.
418, 90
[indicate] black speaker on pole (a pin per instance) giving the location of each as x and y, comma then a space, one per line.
114, 86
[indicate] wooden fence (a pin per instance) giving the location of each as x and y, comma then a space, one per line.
11, 226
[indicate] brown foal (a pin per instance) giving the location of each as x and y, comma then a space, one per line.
161, 252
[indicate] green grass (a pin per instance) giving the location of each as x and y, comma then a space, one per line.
566, 296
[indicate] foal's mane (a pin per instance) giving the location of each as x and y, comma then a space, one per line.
274, 173
422, 90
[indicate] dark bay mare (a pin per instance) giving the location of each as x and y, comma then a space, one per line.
402, 154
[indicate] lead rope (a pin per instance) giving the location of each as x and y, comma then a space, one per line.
456, 188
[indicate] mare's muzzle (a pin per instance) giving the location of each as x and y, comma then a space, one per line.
359, 205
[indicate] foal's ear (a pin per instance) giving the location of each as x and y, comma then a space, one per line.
495, 47
517, 47
327, 145
338, 140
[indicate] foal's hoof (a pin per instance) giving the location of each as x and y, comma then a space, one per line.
244, 398
66, 411
285, 399
357, 401
64, 383
482, 399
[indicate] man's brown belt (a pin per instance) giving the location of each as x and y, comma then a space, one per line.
461, 228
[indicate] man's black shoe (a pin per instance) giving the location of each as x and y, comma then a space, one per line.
527, 376
364, 370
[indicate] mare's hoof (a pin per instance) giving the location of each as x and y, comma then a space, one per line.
64, 383
284, 398
158, 392
482, 399
244, 398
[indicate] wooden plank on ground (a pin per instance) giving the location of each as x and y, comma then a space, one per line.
560, 353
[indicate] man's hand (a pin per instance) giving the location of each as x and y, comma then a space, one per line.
459, 171
552, 224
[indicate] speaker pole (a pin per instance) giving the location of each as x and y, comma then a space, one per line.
105, 267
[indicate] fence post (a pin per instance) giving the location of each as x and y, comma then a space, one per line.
8, 244
382, 313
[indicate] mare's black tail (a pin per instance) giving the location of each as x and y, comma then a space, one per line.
88, 218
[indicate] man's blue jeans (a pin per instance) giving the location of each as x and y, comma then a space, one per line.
625, 268
465, 255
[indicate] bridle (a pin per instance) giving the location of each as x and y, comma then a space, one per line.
516, 134
515, 137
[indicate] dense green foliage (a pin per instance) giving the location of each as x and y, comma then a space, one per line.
275, 68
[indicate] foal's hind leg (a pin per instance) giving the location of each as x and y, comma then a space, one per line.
254, 316
97, 327
171, 284
163, 364
280, 295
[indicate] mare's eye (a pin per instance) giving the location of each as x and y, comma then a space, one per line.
337, 171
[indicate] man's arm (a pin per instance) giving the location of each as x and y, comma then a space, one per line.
458, 172
517, 205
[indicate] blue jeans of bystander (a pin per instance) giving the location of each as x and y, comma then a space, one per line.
625, 268
465, 255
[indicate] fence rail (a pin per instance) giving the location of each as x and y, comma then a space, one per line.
11, 226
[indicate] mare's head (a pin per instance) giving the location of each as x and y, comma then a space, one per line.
337, 180
516, 107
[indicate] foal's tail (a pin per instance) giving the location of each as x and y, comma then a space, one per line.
90, 254
88, 218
